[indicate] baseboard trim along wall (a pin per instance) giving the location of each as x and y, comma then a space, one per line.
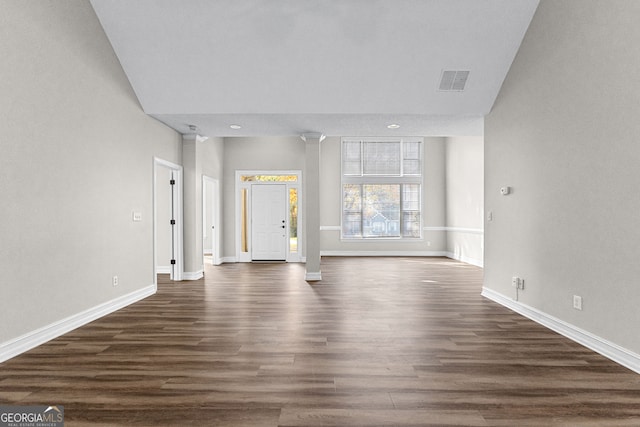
606, 348
383, 253
464, 258
313, 276
193, 275
461, 258
163, 269
40, 336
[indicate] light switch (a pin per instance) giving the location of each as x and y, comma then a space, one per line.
137, 216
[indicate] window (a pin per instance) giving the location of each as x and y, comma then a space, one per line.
381, 188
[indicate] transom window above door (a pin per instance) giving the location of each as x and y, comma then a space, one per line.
381, 188
269, 178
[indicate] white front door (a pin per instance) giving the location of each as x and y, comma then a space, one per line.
269, 222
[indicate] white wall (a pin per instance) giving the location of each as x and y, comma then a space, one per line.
564, 134
433, 204
465, 198
454, 161
77, 160
272, 153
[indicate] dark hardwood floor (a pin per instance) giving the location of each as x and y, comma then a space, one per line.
378, 342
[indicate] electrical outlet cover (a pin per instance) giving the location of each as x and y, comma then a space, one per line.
577, 302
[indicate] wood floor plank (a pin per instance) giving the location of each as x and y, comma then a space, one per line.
379, 341
377, 417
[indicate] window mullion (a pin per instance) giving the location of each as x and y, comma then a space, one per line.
401, 158
361, 211
361, 158
401, 210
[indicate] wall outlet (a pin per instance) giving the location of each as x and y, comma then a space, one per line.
577, 302
115, 280
517, 282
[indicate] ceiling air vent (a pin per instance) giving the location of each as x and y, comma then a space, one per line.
453, 81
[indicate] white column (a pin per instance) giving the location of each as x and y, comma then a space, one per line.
312, 204
192, 199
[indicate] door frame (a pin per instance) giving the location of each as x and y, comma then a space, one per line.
177, 271
214, 196
275, 191
240, 186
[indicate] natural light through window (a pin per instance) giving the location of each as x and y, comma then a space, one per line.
292, 181
381, 188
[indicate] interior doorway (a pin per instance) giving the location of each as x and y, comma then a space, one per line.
211, 247
167, 219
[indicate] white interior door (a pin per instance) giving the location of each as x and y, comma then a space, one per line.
167, 219
269, 222
210, 223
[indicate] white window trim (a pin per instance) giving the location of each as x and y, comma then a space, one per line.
382, 179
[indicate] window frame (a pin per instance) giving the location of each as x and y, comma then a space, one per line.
397, 179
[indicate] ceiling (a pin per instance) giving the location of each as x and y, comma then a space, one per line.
340, 67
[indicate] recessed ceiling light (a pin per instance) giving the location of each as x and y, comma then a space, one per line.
235, 127
393, 126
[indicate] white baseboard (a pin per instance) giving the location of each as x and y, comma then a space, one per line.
193, 275
383, 253
313, 276
163, 269
606, 348
468, 260
40, 336
228, 259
